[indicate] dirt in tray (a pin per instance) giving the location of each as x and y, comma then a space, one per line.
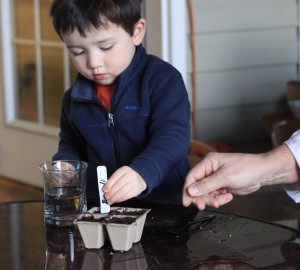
91, 219
132, 212
122, 220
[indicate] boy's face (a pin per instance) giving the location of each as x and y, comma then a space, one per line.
103, 54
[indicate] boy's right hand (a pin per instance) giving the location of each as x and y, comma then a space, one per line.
124, 184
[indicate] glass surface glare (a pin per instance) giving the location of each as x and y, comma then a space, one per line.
53, 84
26, 83
38, 65
23, 11
47, 29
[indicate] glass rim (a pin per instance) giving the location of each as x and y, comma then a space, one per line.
71, 161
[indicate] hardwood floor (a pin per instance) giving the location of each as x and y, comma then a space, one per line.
15, 191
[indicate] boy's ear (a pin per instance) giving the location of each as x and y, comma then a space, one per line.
139, 32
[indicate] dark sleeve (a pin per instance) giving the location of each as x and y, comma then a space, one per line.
169, 129
71, 143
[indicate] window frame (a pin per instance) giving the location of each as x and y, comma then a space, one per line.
9, 85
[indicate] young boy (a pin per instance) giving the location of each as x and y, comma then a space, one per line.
126, 110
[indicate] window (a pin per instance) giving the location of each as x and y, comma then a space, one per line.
36, 65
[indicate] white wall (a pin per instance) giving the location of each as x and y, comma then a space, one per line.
247, 51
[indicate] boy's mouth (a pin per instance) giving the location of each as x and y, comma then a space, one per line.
101, 76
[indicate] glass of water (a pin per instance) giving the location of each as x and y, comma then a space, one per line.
64, 191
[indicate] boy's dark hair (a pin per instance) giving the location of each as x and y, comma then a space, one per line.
83, 15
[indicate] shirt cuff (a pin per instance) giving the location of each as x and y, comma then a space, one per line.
293, 143
293, 190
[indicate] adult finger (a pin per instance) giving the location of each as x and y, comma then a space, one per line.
206, 185
196, 173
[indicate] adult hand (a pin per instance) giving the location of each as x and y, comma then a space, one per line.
124, 184
219, 176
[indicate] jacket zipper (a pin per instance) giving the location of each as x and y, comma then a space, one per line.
111, 120
111, 125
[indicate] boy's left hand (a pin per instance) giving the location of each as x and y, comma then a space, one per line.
124, 184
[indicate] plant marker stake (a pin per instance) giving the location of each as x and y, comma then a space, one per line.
102, 179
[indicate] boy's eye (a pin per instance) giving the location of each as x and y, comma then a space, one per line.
106, 48
77, 52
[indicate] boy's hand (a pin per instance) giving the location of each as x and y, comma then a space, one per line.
63, 175
124, 184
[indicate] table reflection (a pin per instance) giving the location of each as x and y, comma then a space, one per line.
134, 259
64, 248
226, 242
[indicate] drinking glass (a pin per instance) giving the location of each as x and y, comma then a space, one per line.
64, 191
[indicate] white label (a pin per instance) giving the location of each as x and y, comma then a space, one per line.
102, 179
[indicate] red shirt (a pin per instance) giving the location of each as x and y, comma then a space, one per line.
105, 94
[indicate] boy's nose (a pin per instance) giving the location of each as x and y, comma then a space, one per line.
95, 61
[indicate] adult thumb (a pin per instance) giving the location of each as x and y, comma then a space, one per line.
204, 186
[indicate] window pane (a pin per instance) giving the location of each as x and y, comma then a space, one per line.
53, 84
26, 88
48, 32
24, 18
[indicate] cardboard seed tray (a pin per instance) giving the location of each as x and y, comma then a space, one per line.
123, 226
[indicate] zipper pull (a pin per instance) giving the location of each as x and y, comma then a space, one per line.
111, 120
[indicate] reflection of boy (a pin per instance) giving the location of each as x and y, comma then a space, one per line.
127, 110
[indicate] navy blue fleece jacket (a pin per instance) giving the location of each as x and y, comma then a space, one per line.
148, 128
